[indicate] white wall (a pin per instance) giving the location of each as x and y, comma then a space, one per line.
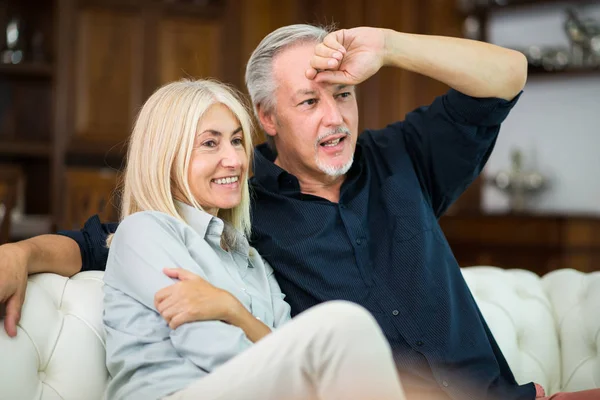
556, 122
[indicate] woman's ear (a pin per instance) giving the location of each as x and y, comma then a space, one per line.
267, 120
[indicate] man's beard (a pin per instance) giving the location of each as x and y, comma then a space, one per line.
333, 171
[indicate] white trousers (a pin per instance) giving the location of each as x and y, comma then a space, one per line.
335, 350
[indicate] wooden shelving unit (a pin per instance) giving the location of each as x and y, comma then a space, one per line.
571, 71
26, 70
25, 148
515, 4
482, 10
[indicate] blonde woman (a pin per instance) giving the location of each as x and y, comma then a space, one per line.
186, 204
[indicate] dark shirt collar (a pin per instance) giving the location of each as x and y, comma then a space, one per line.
277, 180
266, 172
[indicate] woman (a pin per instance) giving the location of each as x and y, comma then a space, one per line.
185, 203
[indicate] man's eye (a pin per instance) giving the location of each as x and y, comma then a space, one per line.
345, 95
309, 102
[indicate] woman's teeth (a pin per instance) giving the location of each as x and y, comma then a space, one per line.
225, 181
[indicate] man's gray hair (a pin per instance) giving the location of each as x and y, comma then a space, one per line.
259, 70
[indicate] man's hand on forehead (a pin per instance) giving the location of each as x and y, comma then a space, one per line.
328, 54
348, 56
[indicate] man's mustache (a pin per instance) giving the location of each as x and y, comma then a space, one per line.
336, 131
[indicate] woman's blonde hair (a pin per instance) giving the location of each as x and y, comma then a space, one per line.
160, 149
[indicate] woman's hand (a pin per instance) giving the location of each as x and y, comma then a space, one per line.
194, 299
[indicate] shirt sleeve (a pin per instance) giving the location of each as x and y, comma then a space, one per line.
91, 240
144, 244
448, 143
281, 308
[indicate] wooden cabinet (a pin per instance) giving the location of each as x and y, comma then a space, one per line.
189, 48
123, 52
108, 88
534, 242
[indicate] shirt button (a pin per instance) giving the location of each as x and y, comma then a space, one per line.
343, 206
395, 312
243, 289
420, 343
359, 241
445, 383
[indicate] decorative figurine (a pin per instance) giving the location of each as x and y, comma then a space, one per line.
518, 183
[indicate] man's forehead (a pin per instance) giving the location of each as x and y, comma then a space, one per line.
290, 72
315, 88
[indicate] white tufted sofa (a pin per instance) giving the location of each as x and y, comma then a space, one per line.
548, 329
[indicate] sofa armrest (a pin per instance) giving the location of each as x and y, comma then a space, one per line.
59, 349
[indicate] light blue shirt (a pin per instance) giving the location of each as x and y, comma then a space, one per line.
146, 358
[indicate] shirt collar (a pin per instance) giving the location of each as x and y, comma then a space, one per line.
266, 172
277, 180
207, 225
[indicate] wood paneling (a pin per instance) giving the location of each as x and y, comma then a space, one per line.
392, 92
261, 17
90, 192
109, 74
189, 48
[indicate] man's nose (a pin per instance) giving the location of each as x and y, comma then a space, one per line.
332, 115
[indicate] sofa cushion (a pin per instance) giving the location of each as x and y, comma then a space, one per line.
575, 299
520, 316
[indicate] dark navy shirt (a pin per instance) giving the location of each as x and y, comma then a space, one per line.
381, 246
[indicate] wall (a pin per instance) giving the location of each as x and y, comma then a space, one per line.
556, 122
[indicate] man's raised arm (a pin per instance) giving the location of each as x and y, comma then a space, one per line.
477, 69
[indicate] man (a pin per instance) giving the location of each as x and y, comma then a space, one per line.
340, 216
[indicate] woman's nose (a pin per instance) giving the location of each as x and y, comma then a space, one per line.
232, 157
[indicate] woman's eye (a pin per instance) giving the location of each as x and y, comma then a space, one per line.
209, 143
237, 142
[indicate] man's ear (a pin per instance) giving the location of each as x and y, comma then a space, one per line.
267, 120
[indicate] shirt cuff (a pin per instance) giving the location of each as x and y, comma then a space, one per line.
467, 110
92, 243
79, 238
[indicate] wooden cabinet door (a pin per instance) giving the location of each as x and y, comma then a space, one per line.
189, 48
108, 64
